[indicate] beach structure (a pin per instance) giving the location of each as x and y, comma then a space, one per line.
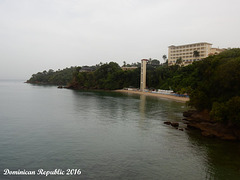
143, 74
190, 52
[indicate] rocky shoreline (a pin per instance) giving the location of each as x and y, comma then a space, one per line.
210, 128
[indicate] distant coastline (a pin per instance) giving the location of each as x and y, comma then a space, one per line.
181, 99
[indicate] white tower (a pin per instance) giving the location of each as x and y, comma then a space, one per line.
143, 74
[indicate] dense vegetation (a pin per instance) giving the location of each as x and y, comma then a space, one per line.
60, 77
213, 85
107, 76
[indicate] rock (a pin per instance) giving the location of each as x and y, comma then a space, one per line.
200, 116
180, 129
60, 87
188, 113
215, 129
207, 134
167, 122
174, 124
191, 126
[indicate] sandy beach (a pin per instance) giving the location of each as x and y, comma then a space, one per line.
182, 99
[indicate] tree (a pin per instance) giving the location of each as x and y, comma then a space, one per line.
196, 54
124, 63
164, 57
155, 62
149, 61
50, 71
179, 61
60, 77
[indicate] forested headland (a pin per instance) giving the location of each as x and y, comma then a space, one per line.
51, 77
213, 84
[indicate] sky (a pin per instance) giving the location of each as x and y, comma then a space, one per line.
38, 35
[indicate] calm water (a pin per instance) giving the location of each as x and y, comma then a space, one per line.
106, 135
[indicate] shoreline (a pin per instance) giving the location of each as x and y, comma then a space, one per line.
164, 96
211, 128
182, 99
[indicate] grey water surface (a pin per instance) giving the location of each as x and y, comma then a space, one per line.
107, 135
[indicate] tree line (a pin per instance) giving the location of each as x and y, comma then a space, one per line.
59, 77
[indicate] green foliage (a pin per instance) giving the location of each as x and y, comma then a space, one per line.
179, 61
214, 84
220, 78
155, 62
233, 110
196, 53
218, 111
227, 112
164, 57
60, 77
107, 76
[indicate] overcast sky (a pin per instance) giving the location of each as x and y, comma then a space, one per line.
37, 35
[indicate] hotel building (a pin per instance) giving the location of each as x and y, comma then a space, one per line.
186, 52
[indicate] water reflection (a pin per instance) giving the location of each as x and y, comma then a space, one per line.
109, 107
142, 107
222, 158
120, 122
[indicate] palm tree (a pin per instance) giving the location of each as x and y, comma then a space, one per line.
150, 61
164, 57
179, 61
196, 54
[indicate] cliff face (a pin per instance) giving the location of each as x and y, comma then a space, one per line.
211, 128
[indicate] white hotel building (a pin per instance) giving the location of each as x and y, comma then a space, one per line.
185, 52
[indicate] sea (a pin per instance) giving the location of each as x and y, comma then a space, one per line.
52, 133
